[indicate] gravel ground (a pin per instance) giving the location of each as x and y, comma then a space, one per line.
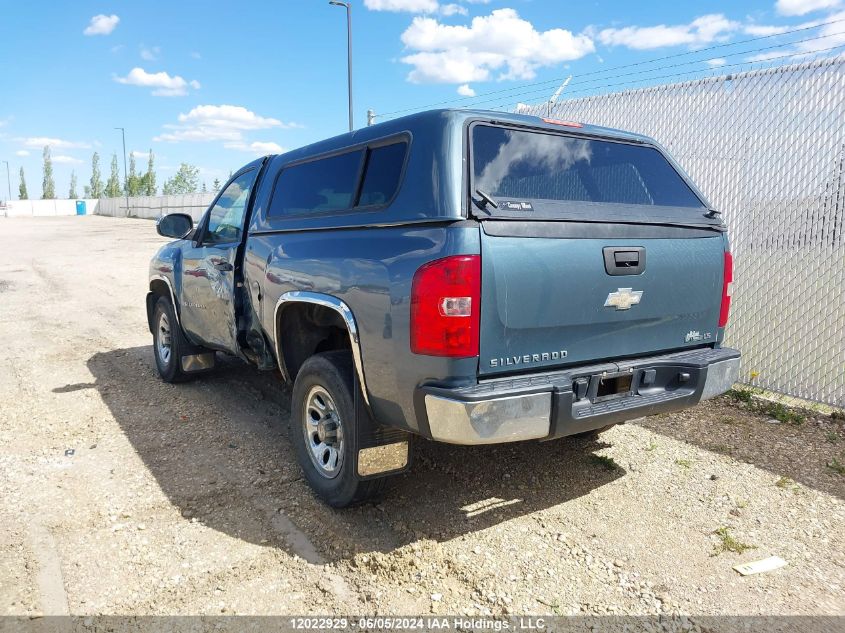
120, 494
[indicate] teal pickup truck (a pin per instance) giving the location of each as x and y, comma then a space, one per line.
467, 276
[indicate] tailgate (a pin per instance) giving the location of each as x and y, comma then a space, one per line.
550, 301
591, 249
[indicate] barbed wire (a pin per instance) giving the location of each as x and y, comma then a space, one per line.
555, 80
711, 71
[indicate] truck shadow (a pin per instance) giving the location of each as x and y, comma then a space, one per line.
218, 449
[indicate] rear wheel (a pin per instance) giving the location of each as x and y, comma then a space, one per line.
168, 342
323, 428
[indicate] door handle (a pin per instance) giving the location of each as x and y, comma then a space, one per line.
222, 265
624, 260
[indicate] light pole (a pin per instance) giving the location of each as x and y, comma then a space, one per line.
337, 3
8, 181
125, 172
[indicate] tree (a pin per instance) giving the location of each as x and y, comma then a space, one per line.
95, 190
134, 183
148, 180
72, 192
215, 186
204, 188
22, 195
113, 183
185, 180
48, 186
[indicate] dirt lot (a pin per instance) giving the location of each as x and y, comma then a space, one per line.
120, 494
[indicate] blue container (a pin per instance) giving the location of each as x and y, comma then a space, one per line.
80, 207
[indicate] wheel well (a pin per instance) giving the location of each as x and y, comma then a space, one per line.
306, 329
158, 288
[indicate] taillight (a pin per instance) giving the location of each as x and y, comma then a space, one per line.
727, 288
445, 305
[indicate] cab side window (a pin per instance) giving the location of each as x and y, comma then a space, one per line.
226, 217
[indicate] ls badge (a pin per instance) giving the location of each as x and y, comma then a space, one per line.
623, 298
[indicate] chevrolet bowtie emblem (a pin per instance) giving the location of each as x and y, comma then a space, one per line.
623, 298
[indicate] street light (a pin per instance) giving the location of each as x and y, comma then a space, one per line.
348, 51
8, 180
125, 172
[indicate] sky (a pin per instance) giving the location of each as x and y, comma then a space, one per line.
216, 84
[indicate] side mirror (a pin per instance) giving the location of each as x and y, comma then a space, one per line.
175, 225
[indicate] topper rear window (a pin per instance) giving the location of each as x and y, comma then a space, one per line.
515, 164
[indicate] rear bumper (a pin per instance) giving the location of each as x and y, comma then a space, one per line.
555, 404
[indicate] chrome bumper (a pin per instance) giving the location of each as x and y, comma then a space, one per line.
487, 414
720, 377
508, 419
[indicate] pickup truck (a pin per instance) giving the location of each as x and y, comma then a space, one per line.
467, 276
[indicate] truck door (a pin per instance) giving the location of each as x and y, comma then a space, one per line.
210, 268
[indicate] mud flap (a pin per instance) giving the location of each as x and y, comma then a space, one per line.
379, 450
198, 361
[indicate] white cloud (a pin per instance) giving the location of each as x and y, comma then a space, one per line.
801, 7
501, 42
101, 25
764, 57
259, 148
762, 30
196, 55
219, 123
826, 37
716, 62
164, 85
466, 91
453, 9
37, 142
151, 53
22, 152
411, 6
138, 154
197, 134
702, 30
66, 160
229, 116
830, 35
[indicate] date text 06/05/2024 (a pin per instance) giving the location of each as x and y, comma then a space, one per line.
418, 623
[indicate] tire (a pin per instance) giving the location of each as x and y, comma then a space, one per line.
323, 428
169, 342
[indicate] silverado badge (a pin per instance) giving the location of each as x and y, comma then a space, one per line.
623, 298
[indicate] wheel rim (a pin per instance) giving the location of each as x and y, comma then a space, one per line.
323, 431
163, 339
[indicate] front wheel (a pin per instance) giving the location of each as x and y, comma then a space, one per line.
323, 428
168, 342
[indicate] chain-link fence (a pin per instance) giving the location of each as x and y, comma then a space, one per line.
767, 147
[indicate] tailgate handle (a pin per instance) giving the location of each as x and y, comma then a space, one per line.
624, 260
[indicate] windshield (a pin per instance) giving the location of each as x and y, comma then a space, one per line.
533, 165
